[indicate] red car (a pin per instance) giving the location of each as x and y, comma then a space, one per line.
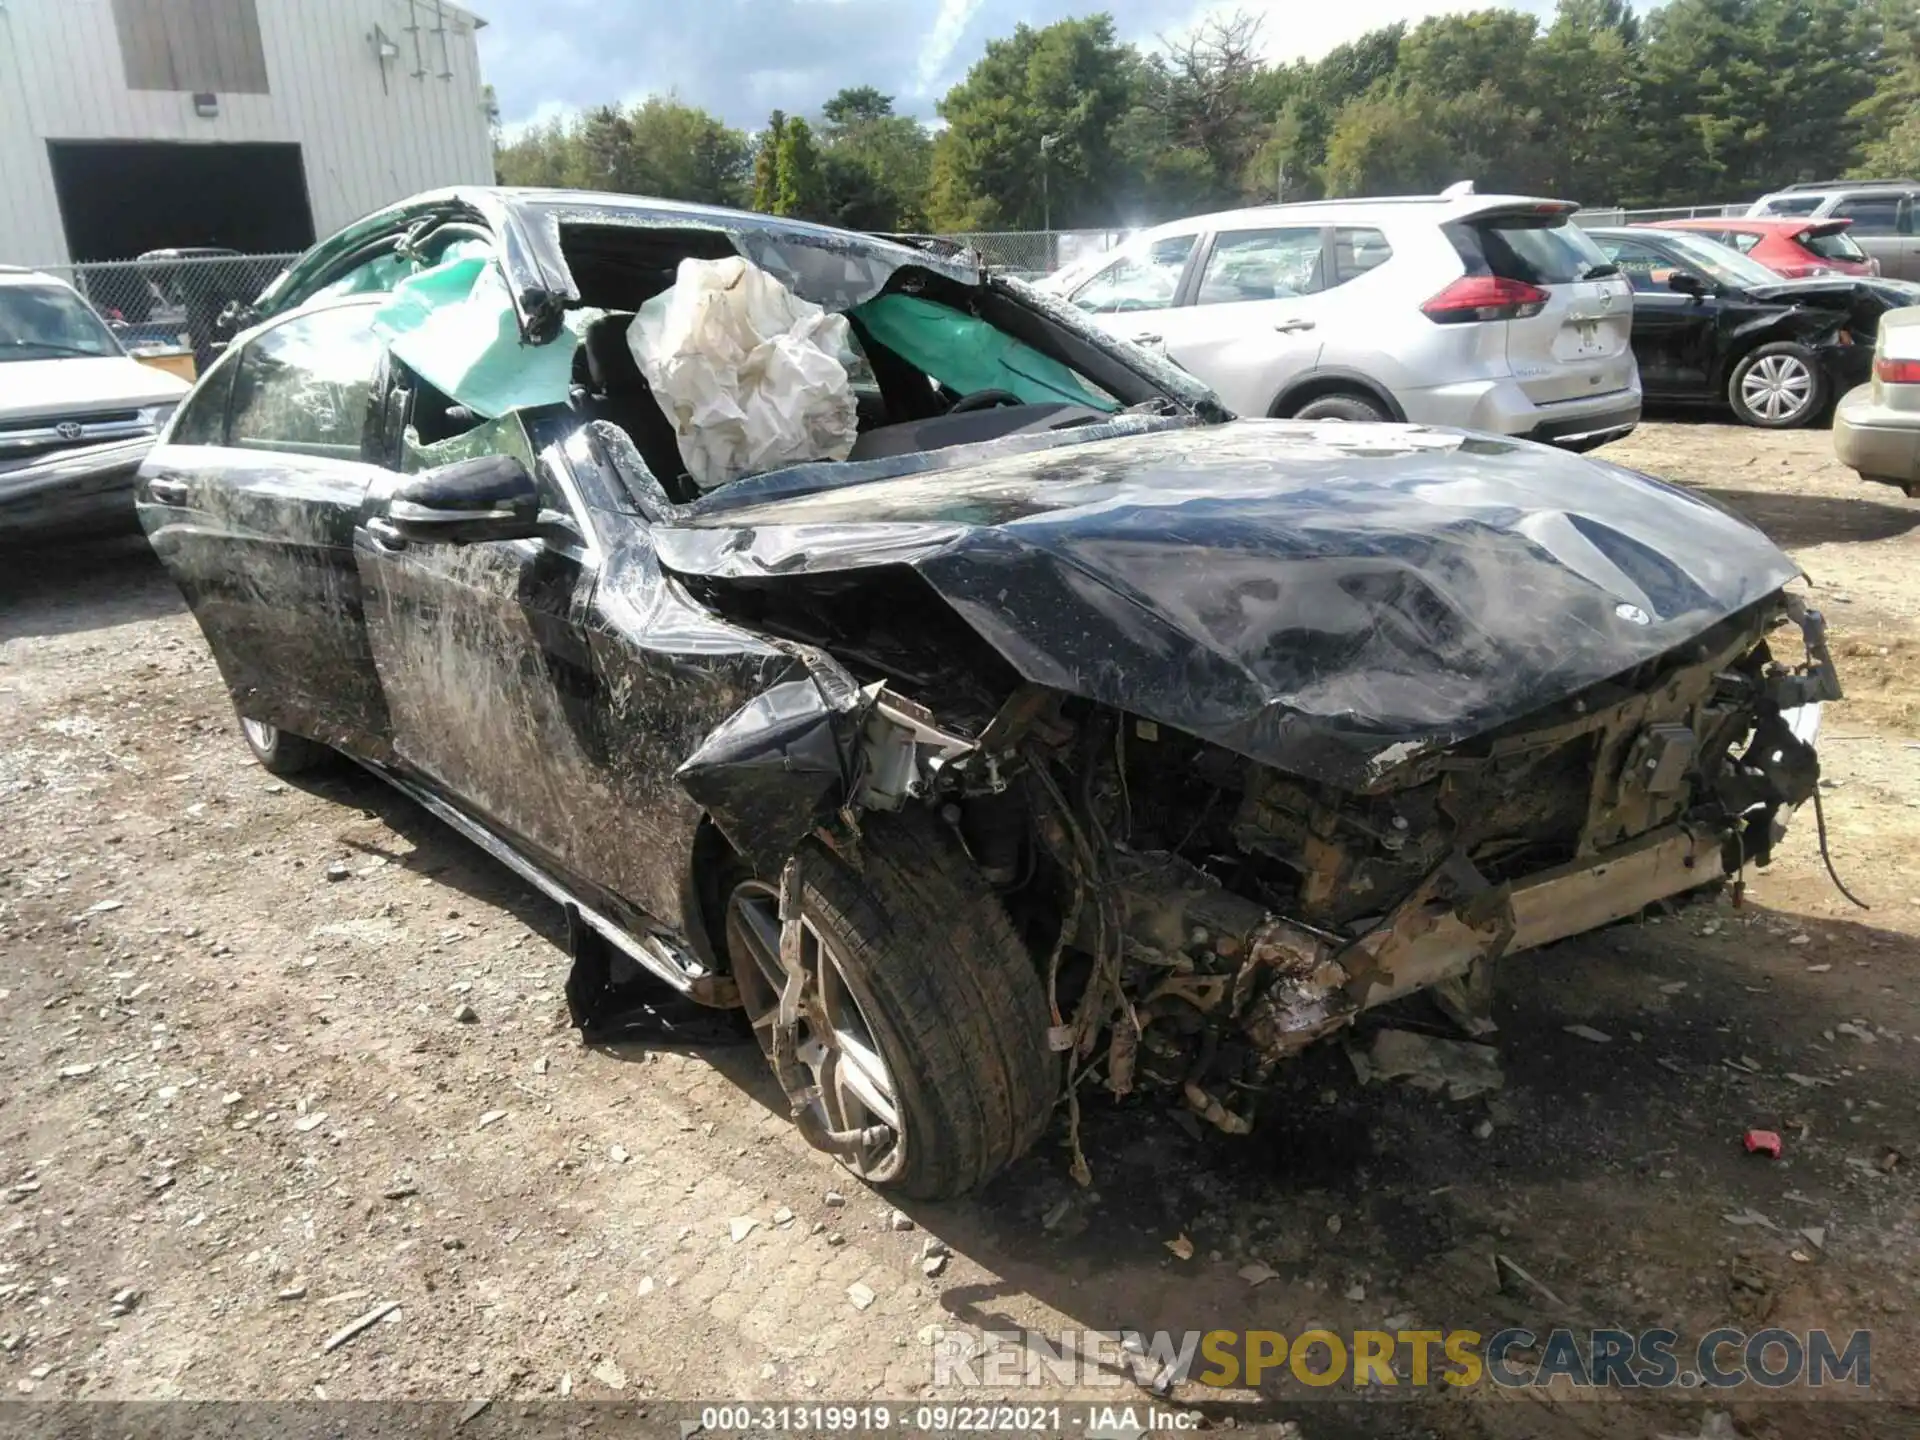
1788, 247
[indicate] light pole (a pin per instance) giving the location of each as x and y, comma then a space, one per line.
1047, 142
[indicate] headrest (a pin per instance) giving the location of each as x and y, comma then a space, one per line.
610, 364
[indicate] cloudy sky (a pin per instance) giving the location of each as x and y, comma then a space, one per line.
743, 58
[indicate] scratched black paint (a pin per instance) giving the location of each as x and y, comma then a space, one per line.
1329, 600
1325, 599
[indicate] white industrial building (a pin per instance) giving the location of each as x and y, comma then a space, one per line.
253, 125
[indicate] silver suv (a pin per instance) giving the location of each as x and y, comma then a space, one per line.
1486, 312
1883, 212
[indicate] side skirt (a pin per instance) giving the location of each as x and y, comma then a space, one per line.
659, 954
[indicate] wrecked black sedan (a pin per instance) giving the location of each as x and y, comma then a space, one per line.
1047, 730
1714, 326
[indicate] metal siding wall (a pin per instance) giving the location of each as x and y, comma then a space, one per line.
61, 78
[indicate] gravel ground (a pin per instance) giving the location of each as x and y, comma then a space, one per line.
274, 1056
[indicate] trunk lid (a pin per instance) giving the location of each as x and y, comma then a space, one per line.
1579, 343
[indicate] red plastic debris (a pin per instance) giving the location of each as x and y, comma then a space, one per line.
1763, 1142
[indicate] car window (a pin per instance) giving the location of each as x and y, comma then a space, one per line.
1143, 279
1717, 262
306, 384
1791, 205
1357, 250
1533, 249
1741, 240
1263, 265
1833, 245
1646, 268
203, 419
50, 322
1871, 214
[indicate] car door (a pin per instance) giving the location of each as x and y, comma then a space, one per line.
1673, 334
1252, 317
482, 648
1127, 296
252, 503
1883, 226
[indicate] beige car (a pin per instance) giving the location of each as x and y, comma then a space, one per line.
1876, 429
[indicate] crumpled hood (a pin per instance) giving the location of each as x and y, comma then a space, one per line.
1328, 599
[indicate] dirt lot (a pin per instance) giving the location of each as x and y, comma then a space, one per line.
235, 1085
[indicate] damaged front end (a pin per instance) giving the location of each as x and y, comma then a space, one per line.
1199, 916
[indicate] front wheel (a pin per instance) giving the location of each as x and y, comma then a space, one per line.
281, 752
1778, 387
920, 1029
1341, 407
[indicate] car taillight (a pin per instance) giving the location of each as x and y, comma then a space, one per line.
1897, 372
1484, 297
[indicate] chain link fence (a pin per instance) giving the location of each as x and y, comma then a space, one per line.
1586, 218
1033, 253
171, 300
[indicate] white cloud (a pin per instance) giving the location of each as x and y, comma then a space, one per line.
948, 26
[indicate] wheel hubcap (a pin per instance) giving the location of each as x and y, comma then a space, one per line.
1777, 387
855, 1089
260, 733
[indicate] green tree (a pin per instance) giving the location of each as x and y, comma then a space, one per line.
1586, 68
875, 164
1302, 100
660, 147
1890, 117
1748, 94
1071, 80
766, 164
801, 191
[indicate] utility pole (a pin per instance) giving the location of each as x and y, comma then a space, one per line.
1047, 142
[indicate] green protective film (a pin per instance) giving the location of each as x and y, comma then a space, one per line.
966, 354
454, 326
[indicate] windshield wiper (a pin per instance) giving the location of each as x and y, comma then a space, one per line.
56, 349
1600, 271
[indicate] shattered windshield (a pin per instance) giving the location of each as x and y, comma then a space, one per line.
48, 322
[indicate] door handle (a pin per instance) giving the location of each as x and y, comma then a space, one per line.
385, 534
167, 492
1294, 327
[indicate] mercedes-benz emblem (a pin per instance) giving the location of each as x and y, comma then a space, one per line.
69, 430
1633, 614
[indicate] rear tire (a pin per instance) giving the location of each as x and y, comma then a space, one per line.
281, 752
1341, 407
939, 984
1778, 387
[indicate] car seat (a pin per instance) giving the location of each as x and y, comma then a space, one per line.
614, 390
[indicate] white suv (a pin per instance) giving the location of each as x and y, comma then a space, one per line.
77, 413
1486, 312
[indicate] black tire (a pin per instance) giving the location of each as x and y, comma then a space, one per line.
1341, 407
280, 752
1769, 377
949, 995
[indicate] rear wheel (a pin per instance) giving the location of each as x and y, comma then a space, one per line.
921, 1023
1341, 407
1778, 387
279, 751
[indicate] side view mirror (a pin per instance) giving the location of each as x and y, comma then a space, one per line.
1683, 283
491, 497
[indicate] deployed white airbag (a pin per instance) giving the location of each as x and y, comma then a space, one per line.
748, 372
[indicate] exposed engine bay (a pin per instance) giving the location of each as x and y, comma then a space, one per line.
1200, 917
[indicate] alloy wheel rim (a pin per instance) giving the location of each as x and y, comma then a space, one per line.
835, 1042
260, 733
1777, 387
